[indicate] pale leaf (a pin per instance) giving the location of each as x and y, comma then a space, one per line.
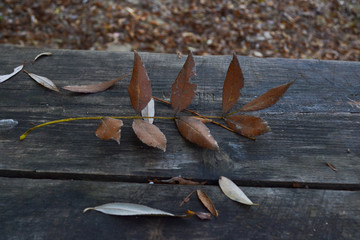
196, 132
204, 198
149, 134
232, 191
3, 78
109, 128
43, 81
149, 111
42, 54
94, 88
7, 124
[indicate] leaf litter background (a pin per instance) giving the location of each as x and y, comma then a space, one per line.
320, 29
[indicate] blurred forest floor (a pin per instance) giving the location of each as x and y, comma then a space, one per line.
319, 29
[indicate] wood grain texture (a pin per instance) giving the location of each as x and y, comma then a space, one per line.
43, 209
311, 125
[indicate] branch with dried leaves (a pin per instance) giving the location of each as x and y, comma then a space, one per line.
192, 128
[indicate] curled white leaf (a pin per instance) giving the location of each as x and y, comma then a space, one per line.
232, 191
3, 78
43, 81
42, 54
149, 111
6, 124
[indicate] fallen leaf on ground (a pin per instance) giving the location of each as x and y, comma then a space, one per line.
149, 112
149, 134
204, 198
7, 124
196, 132
331, 166
232, 191
3, 78
186, 199
249, 126
43, 81
178, 180
234, 82
267, 99
182, 91
201, 215
109, 128
131, 209
42, 54
140, 86
94, 88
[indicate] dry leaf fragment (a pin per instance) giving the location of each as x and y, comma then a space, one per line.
42, 54
201, 215
234, 82
182, 91
249, 126
109, 128
131, 209
149, 134
331, 166
43, 81
7, 124
267, 99
186, 199
233, 192
3, 78
196, 132
140, 86
94, 88
204, 198
149, 112
178, 180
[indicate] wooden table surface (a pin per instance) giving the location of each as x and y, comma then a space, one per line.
58, 170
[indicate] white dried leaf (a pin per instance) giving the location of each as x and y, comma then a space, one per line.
42, 54
3, 78
232, 191
6, 124
149, 111
43, 81
129, 209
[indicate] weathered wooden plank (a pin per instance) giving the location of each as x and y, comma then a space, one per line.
312, 124
52, 209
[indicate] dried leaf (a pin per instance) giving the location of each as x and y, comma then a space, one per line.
234, 81
201, 215
331, 166
3, 78
267, 99
42, 54
186, 199
178, 180
233, 192
94, 88
204, 198
182, 91
131, 209
43, 81
196, 132
109, 128
149, 134
203, 120
7, 124
249, 126
149, 112
140, 86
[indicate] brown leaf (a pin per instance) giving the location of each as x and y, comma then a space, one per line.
234, 81
149, 134
178, 180
267, 99
43, 81
140, 87
186, 199
196, 132
204, 198
249, 126
94, 88
331, 166
203, 215
182, 91
109, 128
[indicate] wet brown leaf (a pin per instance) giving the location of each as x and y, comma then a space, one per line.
249, 126
267, 99
149, 134
94, 88
204, 198
182, 91
234, 82
109, 128
140, 86
196, 132
43, 81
